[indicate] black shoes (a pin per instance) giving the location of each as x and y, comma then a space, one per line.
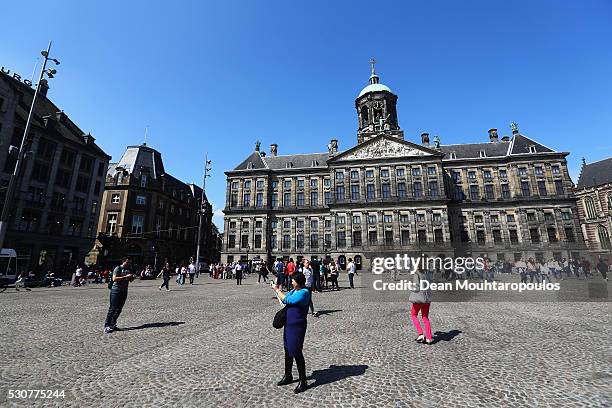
301, 387
287, 379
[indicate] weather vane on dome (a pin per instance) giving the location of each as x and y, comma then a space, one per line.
373, 61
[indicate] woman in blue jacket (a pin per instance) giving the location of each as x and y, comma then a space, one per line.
297, 301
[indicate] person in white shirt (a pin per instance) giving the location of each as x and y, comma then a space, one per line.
79, 273
351, 268
521, 268
192, 272
238, 273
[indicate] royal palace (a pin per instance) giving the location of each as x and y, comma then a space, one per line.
506, 197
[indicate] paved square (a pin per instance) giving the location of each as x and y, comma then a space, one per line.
212, 344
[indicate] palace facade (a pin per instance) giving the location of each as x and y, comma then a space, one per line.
505, 198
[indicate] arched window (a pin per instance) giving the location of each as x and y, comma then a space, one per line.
604, 237
590, 207
358, 262
364, 116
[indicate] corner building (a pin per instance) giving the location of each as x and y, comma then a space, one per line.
503, 198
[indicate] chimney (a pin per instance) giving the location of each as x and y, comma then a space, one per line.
506, 139
273, 149
333, 147
257, 145
43, 87
493, 137
425, 139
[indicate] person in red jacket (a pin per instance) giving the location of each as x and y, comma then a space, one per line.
289, 271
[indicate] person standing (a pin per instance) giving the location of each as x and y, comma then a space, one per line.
333, 275
316, 274
192, 272
521, 268
165, 274
262, 271
279, 269
78, 274
421, 300
122, 276
306, 269
351, 268
602, 267
289, 271
238, 273
296, 301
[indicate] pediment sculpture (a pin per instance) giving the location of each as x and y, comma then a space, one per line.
384, 148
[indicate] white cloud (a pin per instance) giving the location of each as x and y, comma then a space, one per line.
218, 218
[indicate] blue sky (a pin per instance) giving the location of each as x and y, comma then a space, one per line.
216, 76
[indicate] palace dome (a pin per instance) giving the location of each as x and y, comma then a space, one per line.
375, 87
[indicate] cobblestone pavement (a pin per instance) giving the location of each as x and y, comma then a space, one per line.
212, 344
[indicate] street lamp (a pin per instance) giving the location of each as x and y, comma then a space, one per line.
207, 168
10, 190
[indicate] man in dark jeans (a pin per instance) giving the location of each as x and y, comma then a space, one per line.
165, 273
119, 291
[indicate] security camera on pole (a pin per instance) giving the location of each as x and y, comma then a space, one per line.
207, 168
10, 190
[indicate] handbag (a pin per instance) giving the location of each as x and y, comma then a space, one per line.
420, 296
280, 318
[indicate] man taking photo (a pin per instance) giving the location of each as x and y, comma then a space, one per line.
122, 276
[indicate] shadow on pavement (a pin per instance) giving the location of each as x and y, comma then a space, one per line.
326, 312
336, 373
446, 336
153, 325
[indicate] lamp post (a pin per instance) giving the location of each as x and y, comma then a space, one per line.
10, 190
201, 211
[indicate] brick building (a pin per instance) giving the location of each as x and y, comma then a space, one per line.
149, 215
594, 195
54, 216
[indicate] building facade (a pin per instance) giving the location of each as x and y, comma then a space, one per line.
594, 195
54, 217
509, 197
151, 216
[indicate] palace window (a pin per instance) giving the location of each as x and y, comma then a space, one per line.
370, 192
340, 193
401, 189
417, 189
433, 188
355, 192
357, 238
386, 190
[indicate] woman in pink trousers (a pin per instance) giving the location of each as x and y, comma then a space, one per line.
420, 299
